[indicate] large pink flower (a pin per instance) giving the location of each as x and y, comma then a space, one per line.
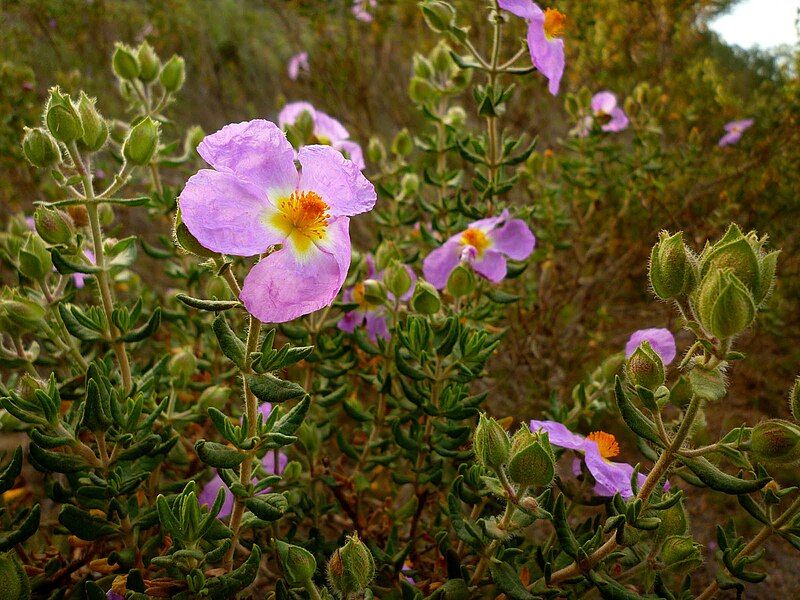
254, 199
545, 28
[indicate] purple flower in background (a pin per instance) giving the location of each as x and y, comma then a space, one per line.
360, 9
210, 490
299, 62
661, 340
113, 595
371, 315
597, 448
327, 130
545, 29
734, 131
79, 279
604, 105
485, 245
254, 199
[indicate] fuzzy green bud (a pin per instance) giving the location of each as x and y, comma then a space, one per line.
35, 261
440, 16
776, 442
532, 459
173, 74
54, 226
124, 62
421, 90
645, 368
441, 60
19, 315
374, 292
194, 136
671, 267
681, 552
95, 129
724, 306
397, 279
490, 443
215, 395
794, 400
455, 117
40, 148
182, 365
351, 568
403, 145
376, 152
422, 67
426, 299
385, 254
14, 583
149, 64
298, 564
61, 117
736, 253
142, 142
409, 184
461, 281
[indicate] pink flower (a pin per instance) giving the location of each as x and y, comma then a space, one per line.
79, 279
661, 341
484, 245
545, 29
604, 107
299, 62
327, 130
255, 199
360, 9
734, 131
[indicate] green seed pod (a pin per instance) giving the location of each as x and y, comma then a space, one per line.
776, 442
397, 279
440, 16
374, 292
461, 281
490, 443
736, 253
173, 74
142, 142
794, 400
426, 299
14, 583
532, 460
54, 226
61, 117
182, 365
149, 64
95, 129
124, 62
35, 261
681, 552
672, 272
298, 564
376, 152
645, 368
40, 148
351, 568
724, 306
402, 145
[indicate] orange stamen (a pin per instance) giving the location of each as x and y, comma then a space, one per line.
606, 443
477, 239
554, 23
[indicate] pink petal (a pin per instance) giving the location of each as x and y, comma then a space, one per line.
603, 102
514, 239
547, 55
438, 265
337, 180
492, 265
521, 8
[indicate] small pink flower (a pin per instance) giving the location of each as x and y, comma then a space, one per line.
255, 199
79, 279
299, 62
327, 130
734, 131
604, 104
360, 9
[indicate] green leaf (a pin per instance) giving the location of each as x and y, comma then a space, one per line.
84, 525
633, 417
209, 305
289, 422
146, 330
12, 471
56, 461
229, 342
218, 455
721, 481
507, 580
269, 388
268, 507
25, 530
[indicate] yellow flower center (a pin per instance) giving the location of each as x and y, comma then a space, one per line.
477, 239
359, 297
606, 443
554, 23
303, 218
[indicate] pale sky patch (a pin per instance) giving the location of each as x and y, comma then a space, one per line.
762, 23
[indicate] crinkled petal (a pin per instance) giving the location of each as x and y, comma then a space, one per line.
376, 326
292, 111
603, 102
354, 152
547, 55
661, 340
325, 126
255, 151
514, 239
611, 477
561, 436
618, 122
438, 265
226, 214
492, 265
521, 8
279, 288
337, 180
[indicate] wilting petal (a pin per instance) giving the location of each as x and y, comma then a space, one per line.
492, 265
547, 55
661, 340
513, 238
522, 8
438, 265
337, 180
226, 214
279, 288
376, 326
603, 102
559, 435
618, 122
354, 152
256, 151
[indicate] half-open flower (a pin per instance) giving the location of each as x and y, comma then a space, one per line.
606, 110
485, 245
254, 200
734, 131
327, 130
545, 28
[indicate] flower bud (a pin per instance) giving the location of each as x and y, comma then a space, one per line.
173, 74
213, 396
182, 365
385, 254
194, 136
14, 583
124, 62
397, 279
19, 315
490, 443
532, 460
298, 564
409, 183
142, 142
421, 90
95, 129
35, 261
351, 568
374, 292
671, 269
776, 442
680, 552
61, 118
54, 226
402, 144
794, 400
376, 153
440, 16
149, 65
455, 117
461, 281
441, 60
40, 148
422, 67
724, 306
426, 299
645, 368
119, 131
738, 254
